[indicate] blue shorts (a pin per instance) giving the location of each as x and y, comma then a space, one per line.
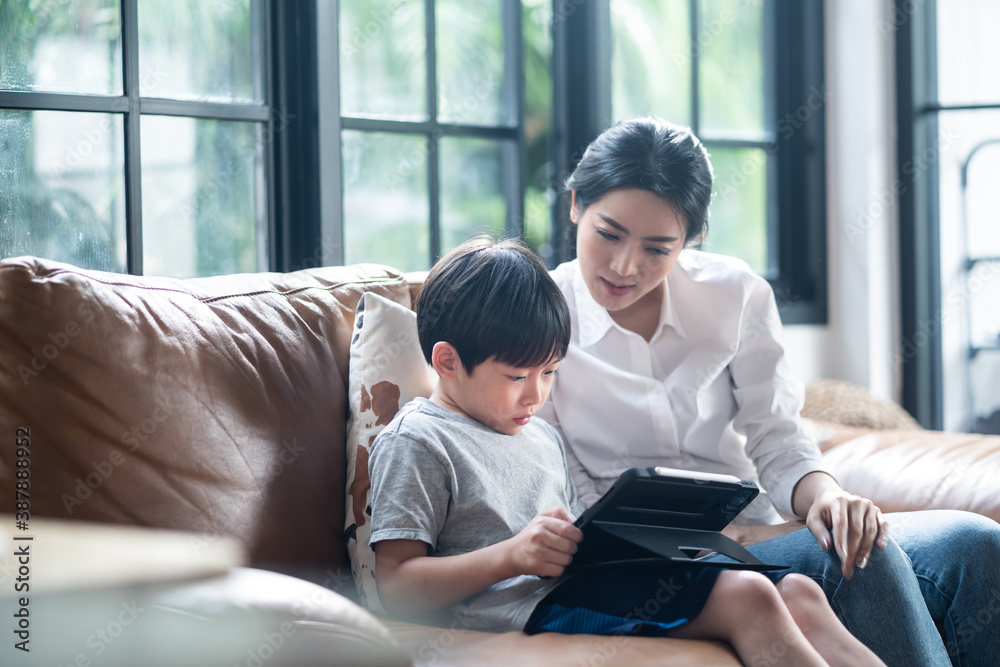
646, 601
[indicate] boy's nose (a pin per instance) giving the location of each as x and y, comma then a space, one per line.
532, 392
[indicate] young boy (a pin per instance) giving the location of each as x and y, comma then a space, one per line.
472, 501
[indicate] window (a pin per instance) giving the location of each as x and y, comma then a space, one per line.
187, 138
949, 163
136, 136
747, 77
440, 132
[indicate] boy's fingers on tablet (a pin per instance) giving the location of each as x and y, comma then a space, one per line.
559, 512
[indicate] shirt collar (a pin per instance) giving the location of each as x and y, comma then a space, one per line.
594, 322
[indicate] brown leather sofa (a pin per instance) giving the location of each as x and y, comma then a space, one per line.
217, 405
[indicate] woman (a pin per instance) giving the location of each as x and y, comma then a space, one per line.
676, 360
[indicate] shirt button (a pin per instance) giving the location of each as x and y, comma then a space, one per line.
658, 390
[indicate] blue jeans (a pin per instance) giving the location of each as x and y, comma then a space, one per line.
940, 569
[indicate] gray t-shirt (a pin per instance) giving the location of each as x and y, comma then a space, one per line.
458, 485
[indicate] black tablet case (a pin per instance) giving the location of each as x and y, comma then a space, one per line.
656, 518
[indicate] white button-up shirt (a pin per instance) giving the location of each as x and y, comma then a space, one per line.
710, 391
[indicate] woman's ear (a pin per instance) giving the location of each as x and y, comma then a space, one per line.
574, 213
445, 360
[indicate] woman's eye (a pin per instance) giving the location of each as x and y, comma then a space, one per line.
604, 234
660, 251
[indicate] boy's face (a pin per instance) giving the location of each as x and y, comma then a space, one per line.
501, 396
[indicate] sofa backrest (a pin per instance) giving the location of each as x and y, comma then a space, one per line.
214, 405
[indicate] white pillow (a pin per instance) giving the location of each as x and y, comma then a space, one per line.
387, 370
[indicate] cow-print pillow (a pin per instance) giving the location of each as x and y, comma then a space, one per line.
387, 370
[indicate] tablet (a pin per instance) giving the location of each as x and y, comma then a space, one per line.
656, 515
672, 498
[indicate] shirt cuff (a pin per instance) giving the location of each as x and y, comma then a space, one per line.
782, 497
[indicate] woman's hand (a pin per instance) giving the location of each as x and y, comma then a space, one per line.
545, 546
848, 523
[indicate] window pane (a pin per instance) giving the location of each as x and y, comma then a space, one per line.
983, 289
651, 59
968, 51
982, 198
200, 210
472, 190
738, 221
195, 50
383, 60
730, 46
542, 182
968, 228
470, 59
386, 209
984, 375
72, 46
62, 187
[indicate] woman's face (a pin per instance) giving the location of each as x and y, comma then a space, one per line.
627, 242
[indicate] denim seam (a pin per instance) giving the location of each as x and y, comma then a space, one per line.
951, 632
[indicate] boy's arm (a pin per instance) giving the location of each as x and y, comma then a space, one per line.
410, 581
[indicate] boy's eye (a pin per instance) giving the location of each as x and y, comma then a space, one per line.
607, 235
551, 373
516, 378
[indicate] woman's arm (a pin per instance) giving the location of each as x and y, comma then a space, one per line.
854, 523
410, 581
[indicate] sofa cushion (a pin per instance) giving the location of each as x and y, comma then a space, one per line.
841, 402
457, 646
214, 405
246, 616
903, 470
387, 371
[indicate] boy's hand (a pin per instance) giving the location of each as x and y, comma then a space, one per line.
546, 545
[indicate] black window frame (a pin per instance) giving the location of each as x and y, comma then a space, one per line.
510, 132
132, 106
797, 160
921, 300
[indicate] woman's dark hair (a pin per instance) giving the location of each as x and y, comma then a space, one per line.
493, 299
653, 155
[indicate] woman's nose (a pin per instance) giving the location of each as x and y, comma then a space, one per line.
625, 262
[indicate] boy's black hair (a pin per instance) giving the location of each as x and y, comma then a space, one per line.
493, 299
